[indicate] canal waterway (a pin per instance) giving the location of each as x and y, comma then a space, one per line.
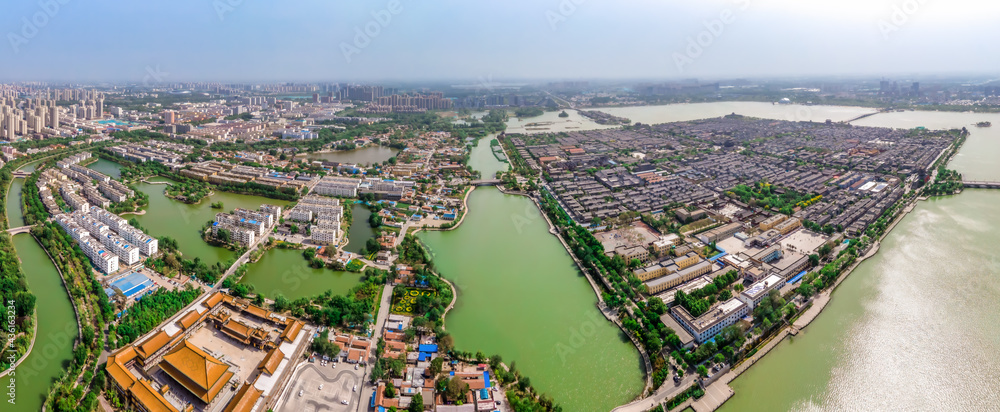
521, 296
54, 316
484, 160
56, 327
15, 215
360, 231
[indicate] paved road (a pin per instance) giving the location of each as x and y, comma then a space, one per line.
383, 316
667, 391
402, 232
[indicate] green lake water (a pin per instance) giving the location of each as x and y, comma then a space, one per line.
107, 167
286, 272
360, 231
181, 221
366, 155
521, 296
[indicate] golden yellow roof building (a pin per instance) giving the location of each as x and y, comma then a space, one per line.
244, 399
198, 372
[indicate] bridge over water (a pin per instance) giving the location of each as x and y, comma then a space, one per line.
485, 182
18, 230
981, 184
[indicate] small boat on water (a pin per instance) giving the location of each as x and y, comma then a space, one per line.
984, 124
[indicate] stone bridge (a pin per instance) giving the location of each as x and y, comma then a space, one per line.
485, 182
981, 184
18, 230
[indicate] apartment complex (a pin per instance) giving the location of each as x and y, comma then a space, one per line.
102, 259
246, 226
337, 186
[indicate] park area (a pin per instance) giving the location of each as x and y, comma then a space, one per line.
407, 302
765, 195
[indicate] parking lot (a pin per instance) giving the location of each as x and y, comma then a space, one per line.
338, 384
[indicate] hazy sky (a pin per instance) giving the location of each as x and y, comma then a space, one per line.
250, 40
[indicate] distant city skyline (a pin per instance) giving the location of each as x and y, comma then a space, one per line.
449, 40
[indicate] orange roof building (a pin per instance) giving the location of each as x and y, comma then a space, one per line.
116, 368
244, 399
259, 312
291, 330
153, 344
138, 389
198, 372
190, 319
237, 330
270, 362
150, 399
215, 299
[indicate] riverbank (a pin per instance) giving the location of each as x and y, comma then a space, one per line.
607, 312
34, 332
601, 306
816, 306
79, 329
465, 212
